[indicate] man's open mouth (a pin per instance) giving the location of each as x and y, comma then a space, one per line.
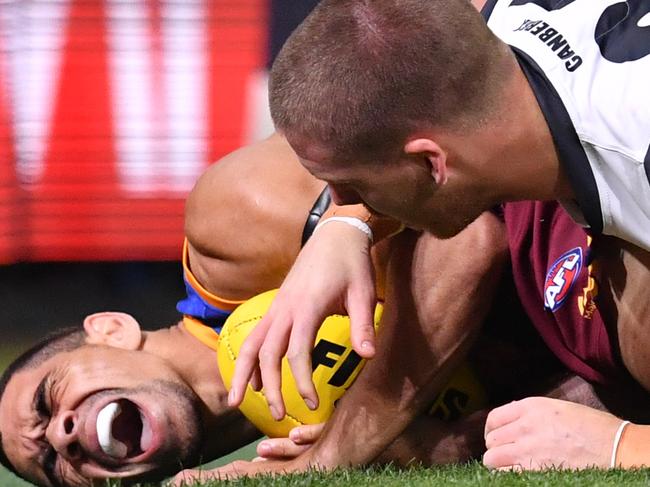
122, 430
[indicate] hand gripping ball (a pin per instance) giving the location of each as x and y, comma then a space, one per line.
335, 366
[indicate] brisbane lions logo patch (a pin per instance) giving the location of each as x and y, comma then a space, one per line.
560, 278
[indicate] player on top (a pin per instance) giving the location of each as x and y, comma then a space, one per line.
424, 113
545, 102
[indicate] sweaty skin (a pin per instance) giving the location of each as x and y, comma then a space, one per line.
432, 184
490, 231
171, 373
244, 219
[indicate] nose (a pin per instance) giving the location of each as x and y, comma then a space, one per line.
344, 195
62, 435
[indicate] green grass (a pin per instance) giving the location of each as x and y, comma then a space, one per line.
8, 353
473, 474
458, 475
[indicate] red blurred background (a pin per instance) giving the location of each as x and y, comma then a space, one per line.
109, 111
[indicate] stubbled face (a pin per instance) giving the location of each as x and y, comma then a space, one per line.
402, 188
99, 412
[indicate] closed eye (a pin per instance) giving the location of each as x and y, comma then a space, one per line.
49, 467
43, 410
40, 400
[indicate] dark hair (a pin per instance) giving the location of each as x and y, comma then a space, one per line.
62, 340
359, 76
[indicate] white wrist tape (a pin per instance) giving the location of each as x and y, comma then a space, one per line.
617, 440
350, 220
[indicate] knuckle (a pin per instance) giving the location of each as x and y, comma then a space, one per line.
489, 460
272, 394
313, 431
523, 427
297, 355
490, 440
267, 356
363, 328
249, 348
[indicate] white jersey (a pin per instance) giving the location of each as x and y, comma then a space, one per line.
588, 62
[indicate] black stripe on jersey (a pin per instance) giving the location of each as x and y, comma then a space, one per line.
486, 11
646, 163
567, 144
320, 206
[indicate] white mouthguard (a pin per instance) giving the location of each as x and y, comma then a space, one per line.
105, 419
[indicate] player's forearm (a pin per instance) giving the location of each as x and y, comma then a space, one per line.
437, 295
431, 441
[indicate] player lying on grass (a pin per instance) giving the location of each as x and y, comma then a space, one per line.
57, 403
113, 401
591, 352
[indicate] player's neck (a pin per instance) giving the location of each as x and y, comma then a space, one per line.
197, 365
194, 361
522, 161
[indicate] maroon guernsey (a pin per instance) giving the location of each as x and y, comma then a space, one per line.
552, 263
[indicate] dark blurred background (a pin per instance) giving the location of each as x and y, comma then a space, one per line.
109, 111
36, 298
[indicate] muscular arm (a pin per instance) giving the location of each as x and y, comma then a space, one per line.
625, 276
216, 251
437, 294
582, 437
244, 219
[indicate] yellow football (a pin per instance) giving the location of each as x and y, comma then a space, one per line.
335, 366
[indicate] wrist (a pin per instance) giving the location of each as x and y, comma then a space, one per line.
617, 440
348, 220
632, 447
382, 226
323, 458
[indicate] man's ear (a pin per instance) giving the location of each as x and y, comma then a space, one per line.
436, 158
115, 329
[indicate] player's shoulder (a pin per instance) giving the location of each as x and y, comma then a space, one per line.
547, 5
585, 31
595, 54
575, 22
